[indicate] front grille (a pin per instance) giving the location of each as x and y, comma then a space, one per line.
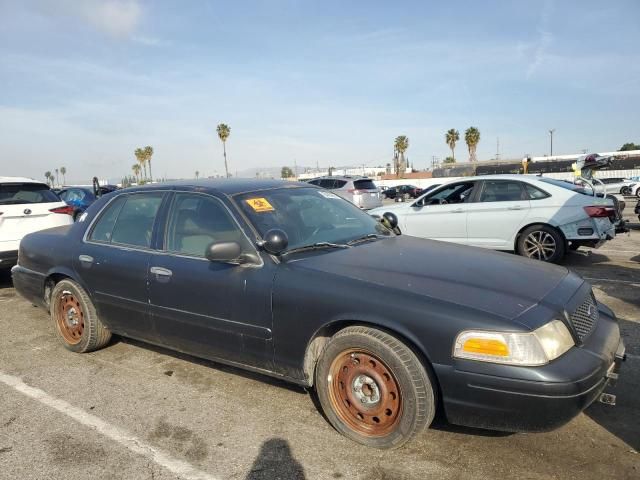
585, 317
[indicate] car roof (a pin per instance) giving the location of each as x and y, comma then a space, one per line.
227, 186
20, 180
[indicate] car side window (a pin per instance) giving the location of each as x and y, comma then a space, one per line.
501, 191
196, 221
339, 184
104, 226
455, 193
132, 224
327, 183
534, 192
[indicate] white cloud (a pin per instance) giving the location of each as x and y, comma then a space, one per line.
545, 38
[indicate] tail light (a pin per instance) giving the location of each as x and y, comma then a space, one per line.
66, 210
599, 212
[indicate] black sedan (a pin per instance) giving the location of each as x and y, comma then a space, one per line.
290, 280
403, 192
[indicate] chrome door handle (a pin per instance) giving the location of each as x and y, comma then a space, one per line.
457, 210
161, 272
86, 258
515, 207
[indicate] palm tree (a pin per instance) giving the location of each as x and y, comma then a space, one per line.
57, 182
136, 171
63, 171
141, 157
400, 146
223, 132
148, 153
49, 177
451, 137
472, 137
197, 174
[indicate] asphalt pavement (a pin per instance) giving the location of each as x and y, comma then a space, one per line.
133, 411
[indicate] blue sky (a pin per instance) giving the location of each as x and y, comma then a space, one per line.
83, 83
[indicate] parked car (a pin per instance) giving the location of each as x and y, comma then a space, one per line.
26, 206
361, 191
404, 192
621, 186
635, 189
637, 209
536, 217
292, 281
81, 197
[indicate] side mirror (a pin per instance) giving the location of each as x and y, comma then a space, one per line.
223, 251
275, 242
390, 220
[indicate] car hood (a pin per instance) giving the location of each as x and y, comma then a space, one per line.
497, 283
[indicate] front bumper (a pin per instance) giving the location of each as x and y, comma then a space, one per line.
500, 397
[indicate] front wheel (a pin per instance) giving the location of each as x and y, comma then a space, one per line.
373, 388
541, 242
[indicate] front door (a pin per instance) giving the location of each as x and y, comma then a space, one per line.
496, 217
210, 309
113, 263
441, 215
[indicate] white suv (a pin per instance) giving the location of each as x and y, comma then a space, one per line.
26, 206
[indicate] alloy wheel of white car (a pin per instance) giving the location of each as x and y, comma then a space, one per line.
539, 245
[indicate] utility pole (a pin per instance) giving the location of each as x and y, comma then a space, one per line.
497, 149
551, 138
295, 169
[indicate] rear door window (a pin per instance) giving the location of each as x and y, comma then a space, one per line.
130, 223
534, 192
364, 185
501, 191
328, 183
23, 193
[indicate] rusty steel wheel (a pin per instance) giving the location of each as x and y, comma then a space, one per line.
69, 318
365, 393
75, 320
373, 388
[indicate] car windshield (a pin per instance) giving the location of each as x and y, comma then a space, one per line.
308, 216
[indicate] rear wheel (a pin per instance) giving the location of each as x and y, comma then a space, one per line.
541, 242
75, 320
373, 389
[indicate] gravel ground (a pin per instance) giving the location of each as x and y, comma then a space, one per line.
134, 411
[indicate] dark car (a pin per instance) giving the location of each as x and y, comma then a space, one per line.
403, 192
290, 280
81, 197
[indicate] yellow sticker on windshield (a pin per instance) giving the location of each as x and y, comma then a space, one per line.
260, 205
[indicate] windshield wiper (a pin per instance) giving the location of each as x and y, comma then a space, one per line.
316, 246
370, 236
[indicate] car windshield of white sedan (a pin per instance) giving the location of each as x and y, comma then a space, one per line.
309, 216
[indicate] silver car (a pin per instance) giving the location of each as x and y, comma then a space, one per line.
361, 191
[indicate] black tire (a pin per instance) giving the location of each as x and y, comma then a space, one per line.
398, 379
75, 320
625, 191
535, 242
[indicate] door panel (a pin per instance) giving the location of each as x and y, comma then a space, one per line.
210, 309
114, 261
494, 220
442, 214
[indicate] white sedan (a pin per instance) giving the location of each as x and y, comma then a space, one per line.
537, 217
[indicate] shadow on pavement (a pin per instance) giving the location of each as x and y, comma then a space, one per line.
5, 279
622, 420
275, 461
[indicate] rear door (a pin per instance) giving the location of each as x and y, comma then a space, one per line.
441, 215
28, 207
113, 262
497, 215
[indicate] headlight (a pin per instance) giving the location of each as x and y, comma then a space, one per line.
535, 348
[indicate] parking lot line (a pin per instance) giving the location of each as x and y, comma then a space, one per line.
133, 443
